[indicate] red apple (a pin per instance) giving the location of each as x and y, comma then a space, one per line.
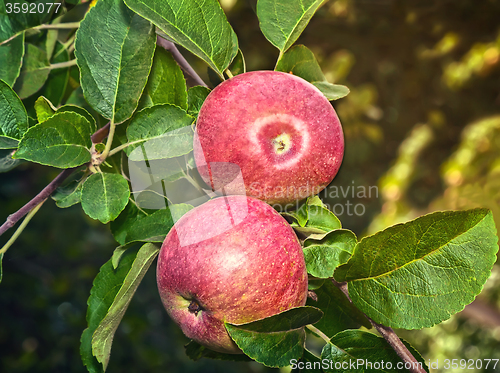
278, 129
233, 259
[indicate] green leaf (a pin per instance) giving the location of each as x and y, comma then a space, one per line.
12, 24
195, 351
275, 340
104, 196
200, 26
61, 141
105, 287
81, 111
313, 219
196, 97
44, 109
13, 117
166, 83
70, 194
34, 72
11, 59
339, 313
417, 274
133, 226
309, 361
238, 66
353, 350
114, 62
104, 333
56, 84
323, 256
6, 161
332, 91
282, 21
300, 61
159, 132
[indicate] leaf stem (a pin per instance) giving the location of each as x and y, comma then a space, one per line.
61, 65
229, 73
169, 46
57, 26
19, 230
389, 335
318, 332
109, 141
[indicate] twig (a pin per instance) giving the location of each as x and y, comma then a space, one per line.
169, 46
390, 336
39, 198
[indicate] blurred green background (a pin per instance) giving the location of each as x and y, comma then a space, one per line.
422, 131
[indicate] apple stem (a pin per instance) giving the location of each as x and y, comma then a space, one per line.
389, 335
194, 307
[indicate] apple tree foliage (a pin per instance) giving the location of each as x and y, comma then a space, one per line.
87, 102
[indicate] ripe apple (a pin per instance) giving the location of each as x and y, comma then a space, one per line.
278, 129
232, 259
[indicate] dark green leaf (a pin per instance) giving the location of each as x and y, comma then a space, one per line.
238, 65
13, 117
275, 340
200, 26
6, 161
159, 132
195, 351
300, 61
104, 333
105, 287
136, 227
354, 350
339, 313
71, 193
196, 97
282, 21
104, 196
61, 141
44, 109
12, 24
34, 72
324, 255
11, 59
81, 111
114, 62
166, 83
332, 91
417, 274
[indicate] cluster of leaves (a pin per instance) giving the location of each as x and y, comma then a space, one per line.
408, 276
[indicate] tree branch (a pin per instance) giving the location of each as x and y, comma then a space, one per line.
169, 46
390, 336
39, 198
97, 137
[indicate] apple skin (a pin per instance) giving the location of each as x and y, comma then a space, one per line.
232, 259
280, 130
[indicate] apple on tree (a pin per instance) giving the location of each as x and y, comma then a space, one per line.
232, 259
277, 128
